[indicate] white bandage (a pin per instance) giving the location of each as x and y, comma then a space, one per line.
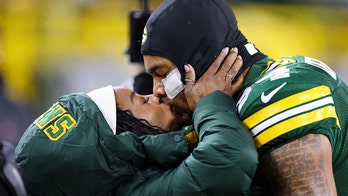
172, 84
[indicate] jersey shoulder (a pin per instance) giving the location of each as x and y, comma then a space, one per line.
288, 100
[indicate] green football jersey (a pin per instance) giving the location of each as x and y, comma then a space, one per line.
290, 97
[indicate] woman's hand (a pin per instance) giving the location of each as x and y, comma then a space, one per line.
219, 76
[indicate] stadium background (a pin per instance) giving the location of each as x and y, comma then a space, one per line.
54, 47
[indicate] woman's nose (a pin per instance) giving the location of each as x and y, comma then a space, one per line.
154, 100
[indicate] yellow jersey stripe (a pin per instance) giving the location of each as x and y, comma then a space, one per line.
286, 103
290, 113
295, 122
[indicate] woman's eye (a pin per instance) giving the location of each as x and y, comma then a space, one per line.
146, 100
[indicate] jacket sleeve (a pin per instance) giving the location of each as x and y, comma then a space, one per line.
165, 150
223, 162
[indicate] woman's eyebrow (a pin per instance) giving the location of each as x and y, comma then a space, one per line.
132, 97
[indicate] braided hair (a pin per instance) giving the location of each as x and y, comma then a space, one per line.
126, 121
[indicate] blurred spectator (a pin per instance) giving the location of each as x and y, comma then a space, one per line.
14, 118
142, 82
11, 183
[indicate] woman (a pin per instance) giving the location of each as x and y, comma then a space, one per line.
78, 148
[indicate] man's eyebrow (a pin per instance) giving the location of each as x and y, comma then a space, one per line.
132, 97
155, 67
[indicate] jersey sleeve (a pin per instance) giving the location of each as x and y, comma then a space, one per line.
291, 99
224, 160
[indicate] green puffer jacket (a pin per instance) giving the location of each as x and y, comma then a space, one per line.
223, 163
71, 150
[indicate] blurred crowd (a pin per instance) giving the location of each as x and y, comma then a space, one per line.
14, 116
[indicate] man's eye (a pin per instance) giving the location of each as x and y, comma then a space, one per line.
162, 75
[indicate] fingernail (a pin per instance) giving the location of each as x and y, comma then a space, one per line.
224, 50
240, 57
235, 49
187, 68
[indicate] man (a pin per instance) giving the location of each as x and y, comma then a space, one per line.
295, 107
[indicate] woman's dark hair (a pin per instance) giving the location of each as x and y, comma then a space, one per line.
127, 122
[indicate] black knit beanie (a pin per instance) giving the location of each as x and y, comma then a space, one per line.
194, 32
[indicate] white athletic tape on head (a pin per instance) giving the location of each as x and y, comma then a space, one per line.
172, 84
250, 48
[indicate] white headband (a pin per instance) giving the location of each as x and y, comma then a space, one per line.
104, 98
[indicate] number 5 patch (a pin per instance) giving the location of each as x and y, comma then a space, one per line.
55, 122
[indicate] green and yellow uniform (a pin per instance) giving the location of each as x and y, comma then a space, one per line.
290, 97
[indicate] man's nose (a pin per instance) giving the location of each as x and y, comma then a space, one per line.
158, 88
